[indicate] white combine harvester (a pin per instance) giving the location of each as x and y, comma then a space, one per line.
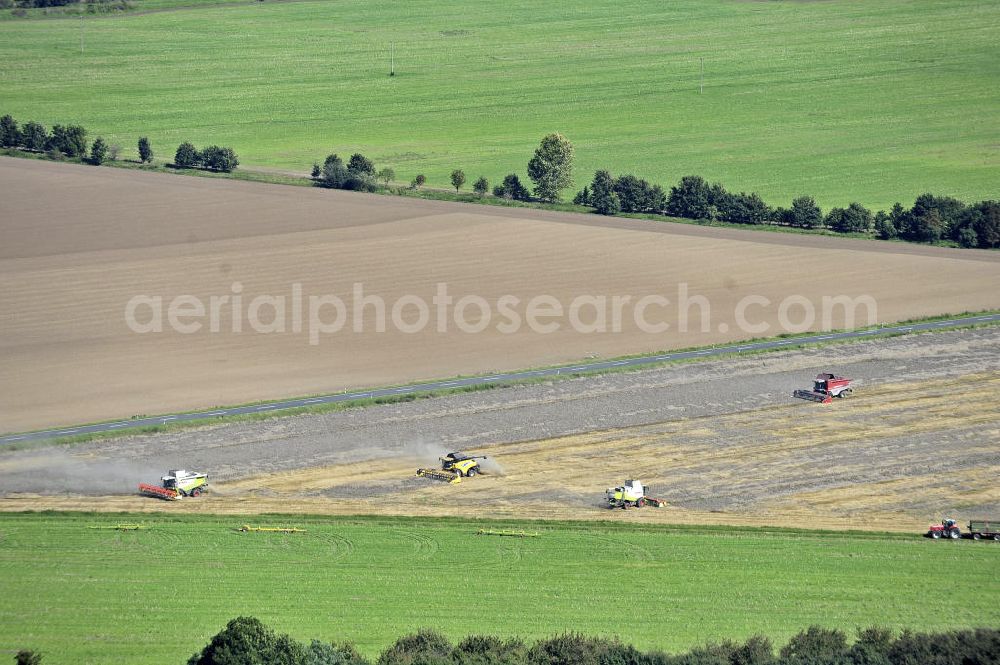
632, 493
177, 483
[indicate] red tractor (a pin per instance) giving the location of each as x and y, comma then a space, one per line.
825, 388
948, 528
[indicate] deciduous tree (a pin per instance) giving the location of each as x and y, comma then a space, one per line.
551, 168
187, 156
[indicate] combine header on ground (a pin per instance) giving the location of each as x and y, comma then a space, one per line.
631, 494
825, 388
176, 484
454, 466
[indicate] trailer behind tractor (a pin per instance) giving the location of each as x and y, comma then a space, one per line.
980, 529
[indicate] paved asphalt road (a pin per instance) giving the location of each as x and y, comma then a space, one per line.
482, 380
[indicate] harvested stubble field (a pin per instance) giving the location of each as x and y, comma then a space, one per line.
844, 100
723, 442
70, 264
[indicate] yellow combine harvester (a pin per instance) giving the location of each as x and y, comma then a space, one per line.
454, 466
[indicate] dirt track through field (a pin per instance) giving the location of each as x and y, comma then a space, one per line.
76, 243
722, 441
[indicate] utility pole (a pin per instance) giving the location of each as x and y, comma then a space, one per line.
701, 89
392, 58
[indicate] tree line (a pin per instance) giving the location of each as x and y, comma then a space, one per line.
70, 141
247, 641
550, 169
930, 219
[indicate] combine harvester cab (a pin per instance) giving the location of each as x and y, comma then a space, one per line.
825, 388
632, 493
176, 484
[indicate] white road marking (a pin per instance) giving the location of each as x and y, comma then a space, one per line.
312, 401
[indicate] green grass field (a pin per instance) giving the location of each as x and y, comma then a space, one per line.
845, 100
85, 595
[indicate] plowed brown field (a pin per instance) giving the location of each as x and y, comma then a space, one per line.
77, 242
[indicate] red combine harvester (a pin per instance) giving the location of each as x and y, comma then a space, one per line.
825, 388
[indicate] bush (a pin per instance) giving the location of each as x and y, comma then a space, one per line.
34, 136
114, 152
805, 213
187, 156
70, 140
247, 641
582, 197
334, 174
320, 653
98, 151
386, 175
489, 650
426, 647
481, 186
854, 219
635, 194
978, 225
145, 150
576, 649
744, 208
816, 646
603, 196
216, 158
418, 181
457, 179
10, 135
360, 174
885, 229
695, 199
511, 188
25, 657
924, 226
